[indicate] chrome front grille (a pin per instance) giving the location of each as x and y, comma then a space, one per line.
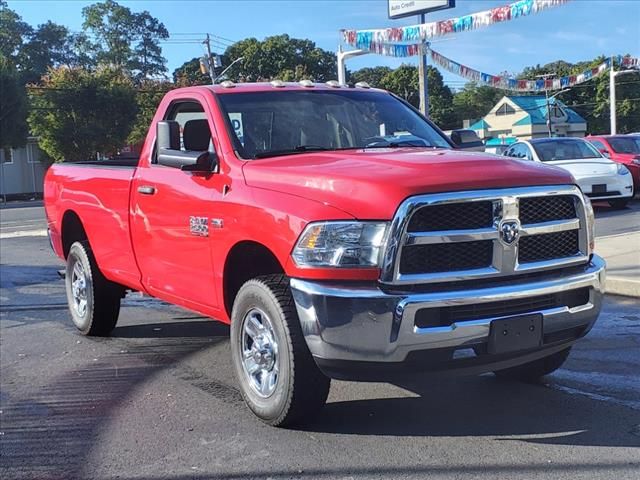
453, 216
466, 235
446, 257
548, 246
545, 209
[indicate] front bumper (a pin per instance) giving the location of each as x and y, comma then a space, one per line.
618, 186
363, 332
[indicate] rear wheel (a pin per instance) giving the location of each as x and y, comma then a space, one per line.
618, 204
278, 377
94, 301
533, 371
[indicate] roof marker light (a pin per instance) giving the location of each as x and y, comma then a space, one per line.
306, 83
333, 84
362, 85
277, 83
227, 84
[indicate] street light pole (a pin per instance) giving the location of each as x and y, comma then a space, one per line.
225, 70
342, 59
612, 96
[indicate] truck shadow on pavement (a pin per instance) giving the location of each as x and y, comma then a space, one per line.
50, 433
485, 406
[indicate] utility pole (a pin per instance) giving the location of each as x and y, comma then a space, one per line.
422, 73
207, 42
546, 95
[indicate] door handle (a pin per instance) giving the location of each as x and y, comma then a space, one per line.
146, 189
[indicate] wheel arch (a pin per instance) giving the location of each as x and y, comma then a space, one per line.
72, 230
247, 259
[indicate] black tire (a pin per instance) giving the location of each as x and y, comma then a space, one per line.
533, 371
300, 389
100, 314
618, 204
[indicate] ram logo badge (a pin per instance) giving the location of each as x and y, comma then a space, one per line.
199, 226
509, 232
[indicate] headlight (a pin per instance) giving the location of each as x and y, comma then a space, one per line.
340, 244
622, 170
591, 223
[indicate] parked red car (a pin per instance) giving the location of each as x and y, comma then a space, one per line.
338, 233
624, 149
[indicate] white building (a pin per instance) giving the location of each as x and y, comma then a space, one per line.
22, 171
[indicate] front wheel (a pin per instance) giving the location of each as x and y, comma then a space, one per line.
618, 204
94, 301
533, 371
278, 377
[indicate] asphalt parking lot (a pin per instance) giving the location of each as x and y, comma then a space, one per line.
158, 400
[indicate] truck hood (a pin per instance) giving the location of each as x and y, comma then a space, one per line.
370, 184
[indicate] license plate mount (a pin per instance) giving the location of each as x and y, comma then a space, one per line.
599, 188
515, 333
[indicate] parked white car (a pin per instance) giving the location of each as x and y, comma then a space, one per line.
597, 176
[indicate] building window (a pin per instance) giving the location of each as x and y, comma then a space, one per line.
556, 112
505, 109
33, 154
6, 155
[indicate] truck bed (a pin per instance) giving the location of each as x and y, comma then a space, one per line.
112, 162
98, 193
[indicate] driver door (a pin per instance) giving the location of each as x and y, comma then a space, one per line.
171, 211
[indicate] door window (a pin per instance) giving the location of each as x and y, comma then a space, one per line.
195, 134
519, 150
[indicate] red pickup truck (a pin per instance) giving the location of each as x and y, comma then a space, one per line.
338, 234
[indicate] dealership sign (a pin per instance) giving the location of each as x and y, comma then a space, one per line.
405, 8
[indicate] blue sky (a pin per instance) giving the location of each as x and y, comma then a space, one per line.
579, 30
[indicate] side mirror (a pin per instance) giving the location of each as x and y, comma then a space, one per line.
200, 162
170, 155
168, 135
605, 153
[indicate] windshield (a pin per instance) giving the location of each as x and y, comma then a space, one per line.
625, 144
286, 122
561, 149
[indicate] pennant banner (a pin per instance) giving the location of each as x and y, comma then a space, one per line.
629, 62
538, 85
379, 39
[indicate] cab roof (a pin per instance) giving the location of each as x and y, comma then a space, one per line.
232, 87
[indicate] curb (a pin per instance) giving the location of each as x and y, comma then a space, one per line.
622, 286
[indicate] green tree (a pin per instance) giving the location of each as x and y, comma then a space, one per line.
279, 57
404, 82
189, 73
126, 40
13, 32
148, 97
148, 60
372, 75
13, 107
78, 113
475, 101
50, 45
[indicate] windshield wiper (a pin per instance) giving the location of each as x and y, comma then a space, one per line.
406, 144
292, 151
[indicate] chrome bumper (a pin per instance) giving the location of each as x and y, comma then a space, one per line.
349, 323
